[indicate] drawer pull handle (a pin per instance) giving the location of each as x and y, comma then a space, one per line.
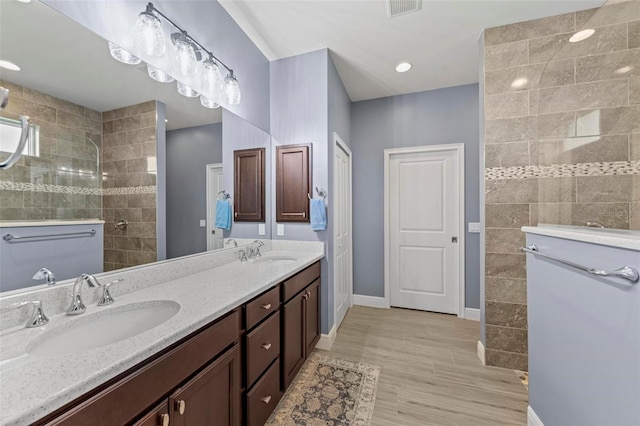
164, 420
266, 346
266, 399
181, 406
266, 306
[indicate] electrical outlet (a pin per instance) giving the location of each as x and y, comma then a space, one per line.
203, 223
474, 227
280, 229
262, 229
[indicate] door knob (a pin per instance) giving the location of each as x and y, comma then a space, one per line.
164, 420
454, 239
181, 406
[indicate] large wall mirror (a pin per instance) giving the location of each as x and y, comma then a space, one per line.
101, 127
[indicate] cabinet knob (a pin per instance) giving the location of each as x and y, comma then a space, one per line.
266, 346
181, 406
164, 420
235, 214
304, 214
266, 306
305, 296
266, 399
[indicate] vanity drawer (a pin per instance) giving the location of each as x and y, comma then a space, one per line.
263, 346
259, 308
299, 281
263, 398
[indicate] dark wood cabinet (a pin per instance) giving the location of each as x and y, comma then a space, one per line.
293, 182
212, 397
300, 321
249, 185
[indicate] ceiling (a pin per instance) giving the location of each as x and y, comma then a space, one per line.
441, 40
87, 74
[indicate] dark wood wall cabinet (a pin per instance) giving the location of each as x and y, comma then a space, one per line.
293, 182
231, 372
249, 185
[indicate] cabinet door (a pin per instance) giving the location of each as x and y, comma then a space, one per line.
248, 191
293, 183
312, 318
294, 345
212, 397
159, 416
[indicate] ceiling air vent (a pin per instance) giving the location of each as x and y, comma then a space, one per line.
402, 7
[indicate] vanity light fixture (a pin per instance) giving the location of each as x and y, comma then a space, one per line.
403, 67
581, 35
149, 39
9, 66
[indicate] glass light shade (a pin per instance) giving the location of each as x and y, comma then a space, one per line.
232, 90
185, 61
148, 36
123, 55
208, 103
187, 91
158, 75
211, 79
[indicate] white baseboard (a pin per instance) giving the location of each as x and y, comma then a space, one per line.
472, 314
481, 353
371, 301
532, 418
326, 340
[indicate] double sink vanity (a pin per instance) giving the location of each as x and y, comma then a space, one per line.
204, 339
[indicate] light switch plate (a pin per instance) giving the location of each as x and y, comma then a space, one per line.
261, 229
474, 227
203, 223
280, 229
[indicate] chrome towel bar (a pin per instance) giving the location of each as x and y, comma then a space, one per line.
11, 237
626, 272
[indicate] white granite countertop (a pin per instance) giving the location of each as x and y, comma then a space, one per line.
32, 386
604, 236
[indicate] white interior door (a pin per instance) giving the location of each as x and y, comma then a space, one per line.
423, 228
214, 185
343, 276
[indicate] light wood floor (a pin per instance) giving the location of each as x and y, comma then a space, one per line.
430, 373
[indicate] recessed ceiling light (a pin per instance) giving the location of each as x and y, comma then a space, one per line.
581, 35
623, 70
403, 67
519, 83
9, 65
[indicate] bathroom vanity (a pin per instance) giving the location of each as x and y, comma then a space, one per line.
240, 336
584, 326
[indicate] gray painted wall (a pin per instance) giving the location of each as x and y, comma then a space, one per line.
426, 118
188, 153
579, 323
240, 134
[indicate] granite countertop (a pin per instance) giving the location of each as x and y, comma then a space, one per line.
622, 238
33, 386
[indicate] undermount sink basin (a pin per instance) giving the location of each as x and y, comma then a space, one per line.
94, 330
276, 260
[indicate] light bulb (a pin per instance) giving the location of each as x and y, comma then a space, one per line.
158, 75
123, 55
187, 91
208, 103
185, 57
148, 36
232, 90
211, 79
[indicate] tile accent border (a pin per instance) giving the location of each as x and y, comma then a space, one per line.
60, 189
564, 170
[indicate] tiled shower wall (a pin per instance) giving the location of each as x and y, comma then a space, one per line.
63, 181
562, 146
129, 168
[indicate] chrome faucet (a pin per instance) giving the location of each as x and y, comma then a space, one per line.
77, 307
37, 319
45, 274
230, 240
254, 249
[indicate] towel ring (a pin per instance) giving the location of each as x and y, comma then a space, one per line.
321, 192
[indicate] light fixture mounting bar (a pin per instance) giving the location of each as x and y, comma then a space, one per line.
151, 7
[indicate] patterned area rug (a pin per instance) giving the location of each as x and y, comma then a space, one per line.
329, 391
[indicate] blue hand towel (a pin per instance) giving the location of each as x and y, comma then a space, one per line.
318, 215
223, 214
